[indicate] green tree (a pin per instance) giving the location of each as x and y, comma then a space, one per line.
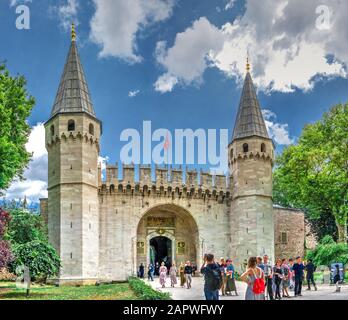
40, 257
328, 252
25, 226
27, 234
313, 174
15, 107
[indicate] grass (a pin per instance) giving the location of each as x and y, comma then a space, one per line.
145, 292
119, 291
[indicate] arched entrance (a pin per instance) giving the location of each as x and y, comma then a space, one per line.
167, 233
161, 251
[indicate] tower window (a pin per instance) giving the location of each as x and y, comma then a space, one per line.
263, 148
284, 238
231, 155
91, 129
52, 130
71, 125
245, 148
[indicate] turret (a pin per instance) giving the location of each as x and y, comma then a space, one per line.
72, 141
250, 161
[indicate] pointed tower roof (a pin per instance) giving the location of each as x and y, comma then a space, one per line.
73, 94
250, 121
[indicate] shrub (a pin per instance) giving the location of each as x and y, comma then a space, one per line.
5, 275
145, 292
328, 252
40, 257
5, 248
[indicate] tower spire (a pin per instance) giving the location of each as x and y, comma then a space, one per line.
73, 93
73, 33
248, 64
250, 121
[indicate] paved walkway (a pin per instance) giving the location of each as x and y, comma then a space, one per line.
325, 292
196, 292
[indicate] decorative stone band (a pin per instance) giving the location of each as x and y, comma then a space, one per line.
64, 137
251, 155
72, 183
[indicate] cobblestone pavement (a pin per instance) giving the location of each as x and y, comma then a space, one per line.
325, 292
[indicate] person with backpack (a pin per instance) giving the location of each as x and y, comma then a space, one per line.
255, 279
212, 277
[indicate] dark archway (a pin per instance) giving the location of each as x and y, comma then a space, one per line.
161, 251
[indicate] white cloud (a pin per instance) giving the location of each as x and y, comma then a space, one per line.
287, 50
277, 131
230, 4
133, 93
166, 83
35, 184
187, 60
115, 25
67, 13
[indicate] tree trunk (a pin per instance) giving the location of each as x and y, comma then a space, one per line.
341, 232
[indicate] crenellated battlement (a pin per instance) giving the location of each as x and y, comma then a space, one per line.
166, 181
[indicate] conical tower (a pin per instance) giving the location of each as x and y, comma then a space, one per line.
251, 155
72, 141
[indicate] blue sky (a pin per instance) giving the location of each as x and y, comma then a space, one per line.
179, 64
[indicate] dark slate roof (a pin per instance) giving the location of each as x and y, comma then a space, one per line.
249, 120
73, 94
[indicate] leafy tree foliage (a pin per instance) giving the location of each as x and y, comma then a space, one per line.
28, 237
328, 252
313, 174
40, 257
25, 227
15, 108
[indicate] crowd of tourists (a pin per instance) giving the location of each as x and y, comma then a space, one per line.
264, 280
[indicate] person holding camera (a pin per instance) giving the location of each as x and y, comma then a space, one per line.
212, 277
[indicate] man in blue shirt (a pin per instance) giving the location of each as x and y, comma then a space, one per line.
298, 269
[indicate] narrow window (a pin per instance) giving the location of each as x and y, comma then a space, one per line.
52, 130
245, 148
263, 148
91, 129
231, 154
284, 238
71, 125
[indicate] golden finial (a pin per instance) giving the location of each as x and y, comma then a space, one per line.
73, 33
248, 65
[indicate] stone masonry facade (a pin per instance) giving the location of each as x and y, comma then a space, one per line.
103, 228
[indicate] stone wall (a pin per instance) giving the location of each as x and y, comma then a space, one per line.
290, 232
